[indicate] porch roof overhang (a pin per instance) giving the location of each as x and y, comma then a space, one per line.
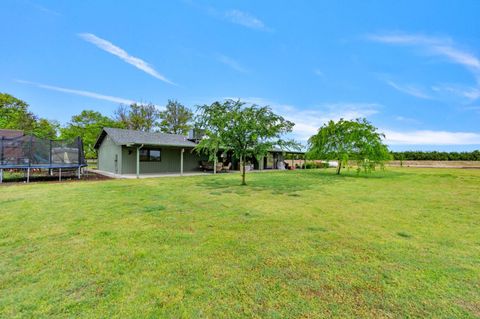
135, 145
278, 150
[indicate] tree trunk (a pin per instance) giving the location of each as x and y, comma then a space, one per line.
339, 167
242, 160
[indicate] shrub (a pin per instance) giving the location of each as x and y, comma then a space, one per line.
311, 165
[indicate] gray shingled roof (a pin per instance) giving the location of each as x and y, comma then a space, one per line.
124, 137
11, 133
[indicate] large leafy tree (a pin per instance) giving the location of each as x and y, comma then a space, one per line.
141, 117
176, 118
247, 131
14, 114
46, 129
88, 125
345, 140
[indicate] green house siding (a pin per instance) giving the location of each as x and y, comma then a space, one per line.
170, 162
110, 156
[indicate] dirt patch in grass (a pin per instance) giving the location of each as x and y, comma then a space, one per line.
19, 178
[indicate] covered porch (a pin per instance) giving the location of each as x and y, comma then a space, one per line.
142, 161
274, 160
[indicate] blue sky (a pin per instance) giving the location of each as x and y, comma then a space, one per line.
411, 67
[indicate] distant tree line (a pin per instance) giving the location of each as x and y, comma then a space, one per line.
174, 118
245, 130
436, 156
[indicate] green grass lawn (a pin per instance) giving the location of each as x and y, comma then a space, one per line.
298, 244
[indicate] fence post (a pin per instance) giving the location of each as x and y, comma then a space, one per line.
30, 156
1, 151
50, 160
79, 148
30, 151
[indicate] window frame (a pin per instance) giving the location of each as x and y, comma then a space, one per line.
149, 156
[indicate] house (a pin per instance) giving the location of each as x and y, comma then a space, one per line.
125, 152
10, 133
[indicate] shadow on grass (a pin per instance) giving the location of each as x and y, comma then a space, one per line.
289, 183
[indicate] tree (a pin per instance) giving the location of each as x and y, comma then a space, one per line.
142, 117
175, 119
247, 131
212, 121
46, 129
88, 125
14, 114
344, 140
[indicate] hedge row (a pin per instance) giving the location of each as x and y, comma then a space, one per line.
436, 156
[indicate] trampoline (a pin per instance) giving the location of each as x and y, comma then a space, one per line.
32, 153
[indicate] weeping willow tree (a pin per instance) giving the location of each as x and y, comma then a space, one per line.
344, 141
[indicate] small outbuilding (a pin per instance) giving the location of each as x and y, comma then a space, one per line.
126, 152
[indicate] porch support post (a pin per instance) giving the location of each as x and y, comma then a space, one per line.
138, 160
181, 161
28, 175
215, 164
60, 174
1, 175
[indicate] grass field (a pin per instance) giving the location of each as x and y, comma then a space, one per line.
296, 244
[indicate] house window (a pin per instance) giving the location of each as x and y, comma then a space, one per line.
150, 155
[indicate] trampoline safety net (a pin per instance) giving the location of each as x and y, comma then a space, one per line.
34, 152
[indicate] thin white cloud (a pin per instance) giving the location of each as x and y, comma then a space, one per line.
232, 63
444, 47
123, 55
245, 19
407, 120
46, 10
427, 137
234, 16
470, 93
89, 94
319, 73
307, 122
409, 89
472, 108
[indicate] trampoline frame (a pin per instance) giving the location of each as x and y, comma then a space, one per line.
50, 165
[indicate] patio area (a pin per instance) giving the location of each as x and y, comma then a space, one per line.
147, 175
